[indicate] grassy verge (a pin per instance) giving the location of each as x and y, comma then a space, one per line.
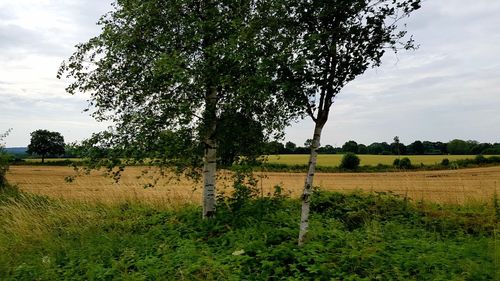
352, 237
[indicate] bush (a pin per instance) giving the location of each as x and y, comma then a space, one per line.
350, 161
4, 166
4, 161
405, 163
445, 162
480, 159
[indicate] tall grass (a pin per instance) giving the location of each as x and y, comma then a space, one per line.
352, 237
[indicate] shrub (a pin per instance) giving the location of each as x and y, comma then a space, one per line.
4, 166
445, 162
350, 161
405, 163
480, 159
4, 161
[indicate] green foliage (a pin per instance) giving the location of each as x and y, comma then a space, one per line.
480, 159
445, 162
403, 163
175, 67
352, 237
239, 138
4, 161
350, 161
350, 146
45, 143
459, 147
4, 167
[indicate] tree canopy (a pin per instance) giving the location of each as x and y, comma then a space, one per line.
46, 143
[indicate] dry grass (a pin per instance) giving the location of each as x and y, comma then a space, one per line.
454, 186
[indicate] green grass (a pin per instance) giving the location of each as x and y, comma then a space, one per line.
352, 237
333, 160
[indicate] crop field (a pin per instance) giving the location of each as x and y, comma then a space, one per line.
449, 186
333, 160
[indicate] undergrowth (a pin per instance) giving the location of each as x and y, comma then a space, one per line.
352, 237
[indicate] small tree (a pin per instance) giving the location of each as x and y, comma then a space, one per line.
329, 44
4, 161
45, 143
350, 161
396, 144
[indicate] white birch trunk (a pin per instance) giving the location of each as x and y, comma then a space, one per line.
306, 195
210, 156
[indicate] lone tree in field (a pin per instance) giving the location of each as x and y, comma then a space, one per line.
177, 66
45, 143
330, 43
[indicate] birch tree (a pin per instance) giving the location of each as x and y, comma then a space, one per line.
330, 43
176, 65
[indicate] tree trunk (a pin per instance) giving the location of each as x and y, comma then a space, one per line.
43, 158
306, 195
210, 154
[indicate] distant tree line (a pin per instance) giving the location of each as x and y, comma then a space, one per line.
454, 147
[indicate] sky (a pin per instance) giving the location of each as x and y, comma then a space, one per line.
448, 88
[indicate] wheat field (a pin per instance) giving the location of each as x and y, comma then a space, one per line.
450, 186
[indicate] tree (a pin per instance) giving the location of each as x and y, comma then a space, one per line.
416, 147
308, 143
327, 149
362, 149
290, 146
480, 148
398, 148
4, 161
234, 142
330, 43
395, 146
379, 148
176, 66
45, 143
350, 146
457, 146
274, 147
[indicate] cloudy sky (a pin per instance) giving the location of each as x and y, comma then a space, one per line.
449, 88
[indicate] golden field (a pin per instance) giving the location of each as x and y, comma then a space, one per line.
333, 160
450, 186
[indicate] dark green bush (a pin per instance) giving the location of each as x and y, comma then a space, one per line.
445, 162
350, 161
480, 159
405, 163
4, 166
